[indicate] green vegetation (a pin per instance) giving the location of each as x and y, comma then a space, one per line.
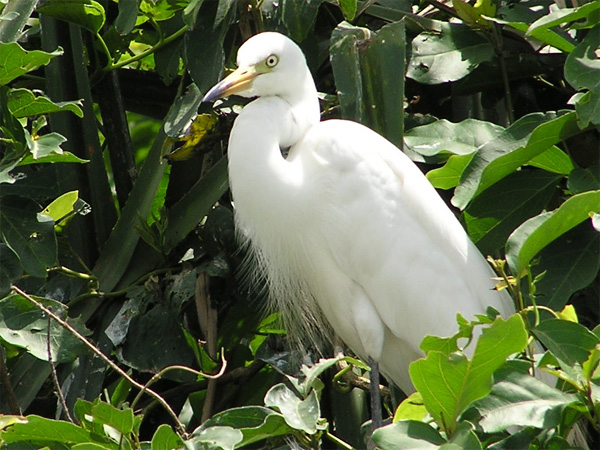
123, 324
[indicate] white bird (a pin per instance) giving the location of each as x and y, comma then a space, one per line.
346, 229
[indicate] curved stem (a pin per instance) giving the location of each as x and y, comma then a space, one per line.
180, 427
160, 374
161, 43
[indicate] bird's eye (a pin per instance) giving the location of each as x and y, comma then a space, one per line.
272, 61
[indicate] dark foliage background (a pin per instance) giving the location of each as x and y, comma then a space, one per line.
116, 223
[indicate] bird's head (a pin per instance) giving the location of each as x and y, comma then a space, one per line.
268, 64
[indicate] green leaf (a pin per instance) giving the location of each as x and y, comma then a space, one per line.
411, 408
46, 145
299, 17
24, 103
519, 399
582, 69
442, 136
155, 341
448, 53
63, 157
203, 53
16, 61
570, 342
196, 204
545, 35
257, 423
298, 414
10, 269
311, 373
583, 180
450, 383
45, 431
62, 206
165, 438
24, 325
216, 438
553, 160
407, 435
500, 209
88, 14
29, 234
527, 138
570, 263
366, 66
448, 176
105, 414
125, 21
562, 16
463, 438
539, 231
348, 8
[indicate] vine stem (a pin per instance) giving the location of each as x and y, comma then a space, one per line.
180, 427
142, 55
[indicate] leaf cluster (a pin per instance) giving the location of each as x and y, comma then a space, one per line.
115, 216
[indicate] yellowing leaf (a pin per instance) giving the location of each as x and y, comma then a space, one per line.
202, 125
568, 313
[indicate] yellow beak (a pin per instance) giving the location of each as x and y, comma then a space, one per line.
238, 81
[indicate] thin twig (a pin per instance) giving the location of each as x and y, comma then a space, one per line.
13, 403
59, 394
180, 427
160, 374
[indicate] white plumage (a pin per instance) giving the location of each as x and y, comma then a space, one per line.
347, 227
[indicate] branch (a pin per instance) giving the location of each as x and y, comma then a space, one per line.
180, 427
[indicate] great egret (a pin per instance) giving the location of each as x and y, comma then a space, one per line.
347, 229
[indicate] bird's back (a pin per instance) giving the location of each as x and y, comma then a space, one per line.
394, 264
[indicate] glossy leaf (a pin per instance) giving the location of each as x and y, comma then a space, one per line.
458, 381
449, 53
583, 180
257, 423
553, 160
16, 61
88, 14
499, 210
40, 429
521, 400
581, 69
539, 231
570, 263
24, 103
298, 414
407, 434
24, 325
564, 15
411, 408
367, 68
570, 342
442, 136
527, 138
29, 234
165, 438
216, 438
448, 176
545, 35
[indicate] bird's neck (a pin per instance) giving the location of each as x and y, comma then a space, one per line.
262, 181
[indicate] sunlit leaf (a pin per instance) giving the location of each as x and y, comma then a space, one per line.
24, 103
448, 54
16, 61
539, 231
88, 14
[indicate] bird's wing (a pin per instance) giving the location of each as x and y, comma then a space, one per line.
390, 232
